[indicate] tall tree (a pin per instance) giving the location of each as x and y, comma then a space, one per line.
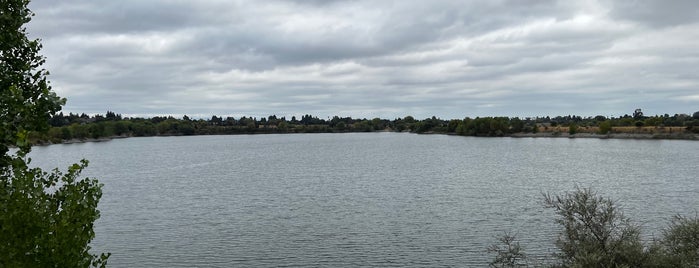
46, 218
26, 99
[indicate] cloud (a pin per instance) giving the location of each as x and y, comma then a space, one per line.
370, 58
656, 13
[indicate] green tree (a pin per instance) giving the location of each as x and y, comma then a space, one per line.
54, 135
605, 127
509, 254
572, 129
681, 242
46, 218
594, 233
340, 126
283, 126
79, 131
186, 129
97, 130
120, 128
65, 133
41, 228
26, 99
516, 125
409, 119
653, 121
362, 126
142, 128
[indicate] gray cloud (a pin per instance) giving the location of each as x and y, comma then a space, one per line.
371, 58
657, 13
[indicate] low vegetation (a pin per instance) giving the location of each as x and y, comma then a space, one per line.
83, 127
595, 233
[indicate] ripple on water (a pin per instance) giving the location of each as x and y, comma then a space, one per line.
375, 200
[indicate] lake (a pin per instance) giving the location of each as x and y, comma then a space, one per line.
361, 199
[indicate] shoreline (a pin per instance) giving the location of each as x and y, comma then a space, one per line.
622, 136
74, 141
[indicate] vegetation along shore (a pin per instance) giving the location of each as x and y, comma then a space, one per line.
73, 128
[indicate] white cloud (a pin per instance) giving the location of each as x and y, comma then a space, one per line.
370, 59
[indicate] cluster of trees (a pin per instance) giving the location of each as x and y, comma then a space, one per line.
83, 126
46, 218
691, 122
594, 233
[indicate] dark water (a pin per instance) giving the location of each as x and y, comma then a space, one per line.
375, 199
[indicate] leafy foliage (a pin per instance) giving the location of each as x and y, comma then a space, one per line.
572, 129
46, 218
594, 233
508, 254
83, 126
26, 99
605, 127
681, 242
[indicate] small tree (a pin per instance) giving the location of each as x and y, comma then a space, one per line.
508, 253
595, 233
572, 129
681, 242
26, 99
605, 127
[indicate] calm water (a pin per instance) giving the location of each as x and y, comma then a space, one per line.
375, 199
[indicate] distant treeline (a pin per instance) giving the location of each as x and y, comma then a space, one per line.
83, 126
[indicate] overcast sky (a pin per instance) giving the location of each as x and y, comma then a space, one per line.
385, 59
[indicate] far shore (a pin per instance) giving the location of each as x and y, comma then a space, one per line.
634, 136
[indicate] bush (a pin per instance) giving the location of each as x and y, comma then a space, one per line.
605, 127
509, 254
594, 231
681, 242
572, 129
596, 234
48, 217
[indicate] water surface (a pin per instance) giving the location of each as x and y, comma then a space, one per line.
374, 199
